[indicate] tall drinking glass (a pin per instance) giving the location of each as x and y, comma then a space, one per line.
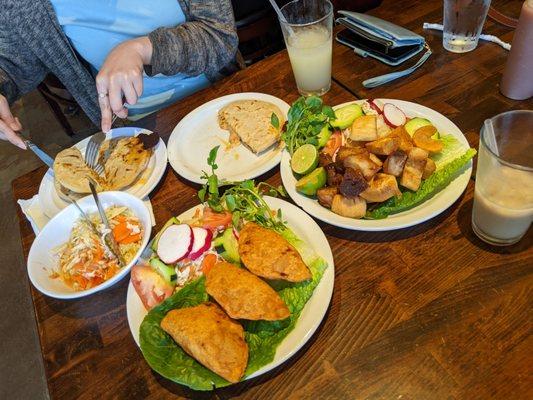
463, 21
307, 30
503, 196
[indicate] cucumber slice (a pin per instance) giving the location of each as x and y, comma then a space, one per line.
231, 246
171, 221
345, 116
412, 125
167, 272
323, 136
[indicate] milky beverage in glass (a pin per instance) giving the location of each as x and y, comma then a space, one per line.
503, 197
307, 29
310, 54
463, 21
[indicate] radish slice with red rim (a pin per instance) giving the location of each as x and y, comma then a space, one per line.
235, 233
376, 105
175, 243
393, 116
201, 242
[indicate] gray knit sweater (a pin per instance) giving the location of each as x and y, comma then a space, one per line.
33, 44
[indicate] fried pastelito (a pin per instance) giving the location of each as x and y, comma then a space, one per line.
267, 254
243, 295
208, 335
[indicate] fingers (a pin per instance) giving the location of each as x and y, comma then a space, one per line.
115, 97
120, 88
103, 101
7, 133
7, 117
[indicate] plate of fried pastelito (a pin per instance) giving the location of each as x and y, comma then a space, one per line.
231, 288
127, 166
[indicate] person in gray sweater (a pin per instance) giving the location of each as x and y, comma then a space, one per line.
124, 58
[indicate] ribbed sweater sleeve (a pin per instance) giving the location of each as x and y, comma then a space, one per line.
206, 43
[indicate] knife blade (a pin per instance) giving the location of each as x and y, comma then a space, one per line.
49, 161
110, 240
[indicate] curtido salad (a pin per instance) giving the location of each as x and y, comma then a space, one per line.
85, 260
184, 252
368, 159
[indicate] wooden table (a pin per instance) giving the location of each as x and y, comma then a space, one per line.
428, 312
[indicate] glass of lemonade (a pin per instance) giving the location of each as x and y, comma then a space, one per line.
503, 196
463, 21
307, 30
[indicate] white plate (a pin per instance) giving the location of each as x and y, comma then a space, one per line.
315, 309
198, 132
41, 260
427, 210
51, 203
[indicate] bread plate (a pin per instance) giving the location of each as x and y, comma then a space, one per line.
199, 131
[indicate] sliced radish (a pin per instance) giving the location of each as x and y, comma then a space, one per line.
393, 116
201, 242
235, 233
175, 243
376, 105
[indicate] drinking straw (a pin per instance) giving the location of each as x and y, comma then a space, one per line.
490, 136
281, 16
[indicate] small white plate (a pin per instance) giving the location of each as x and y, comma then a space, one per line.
42, 261
315, 309
423, 212
51, 203
198, 132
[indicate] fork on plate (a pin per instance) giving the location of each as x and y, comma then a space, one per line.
92, 150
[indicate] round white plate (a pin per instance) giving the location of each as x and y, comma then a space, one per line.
198, 132
51, 203
427, 210
42, 260
315, 309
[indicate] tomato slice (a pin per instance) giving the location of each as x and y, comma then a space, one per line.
214, 220
150, 286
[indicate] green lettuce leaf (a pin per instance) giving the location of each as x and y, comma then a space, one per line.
436, 182
452, 149
263, 337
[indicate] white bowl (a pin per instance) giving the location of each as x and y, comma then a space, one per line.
42, 261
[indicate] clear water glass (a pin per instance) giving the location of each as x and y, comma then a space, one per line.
503, 195
463, 22
307, 30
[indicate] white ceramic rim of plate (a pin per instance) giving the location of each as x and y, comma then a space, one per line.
324, 288
87, 203
416, 215
51, 203
179, 166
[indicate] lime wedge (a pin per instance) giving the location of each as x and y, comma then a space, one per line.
309, 184
305, 159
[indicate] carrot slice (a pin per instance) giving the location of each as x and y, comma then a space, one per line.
130, 239
121, 231
208, 262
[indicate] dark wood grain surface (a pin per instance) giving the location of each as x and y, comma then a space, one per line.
428, 312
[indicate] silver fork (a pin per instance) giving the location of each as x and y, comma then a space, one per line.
93, 147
